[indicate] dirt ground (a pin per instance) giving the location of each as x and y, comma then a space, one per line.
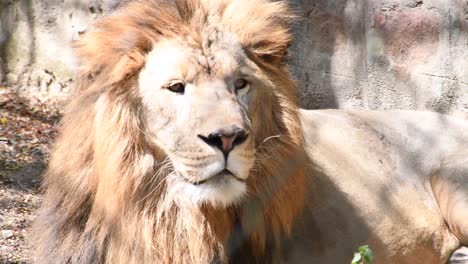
27, 129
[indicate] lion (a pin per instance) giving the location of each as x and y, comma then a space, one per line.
183, 143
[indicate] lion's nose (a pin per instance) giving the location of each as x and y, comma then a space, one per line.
225, 138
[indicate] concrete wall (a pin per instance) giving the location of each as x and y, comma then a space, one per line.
365, 54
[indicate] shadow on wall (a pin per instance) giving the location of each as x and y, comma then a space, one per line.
36, 39
381, 55
17, 36
4, 34
324, 32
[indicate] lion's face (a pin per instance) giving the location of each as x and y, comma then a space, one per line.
199, 102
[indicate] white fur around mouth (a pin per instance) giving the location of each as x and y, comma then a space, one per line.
219, 191
219, 177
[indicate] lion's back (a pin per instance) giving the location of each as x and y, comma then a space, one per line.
368, 183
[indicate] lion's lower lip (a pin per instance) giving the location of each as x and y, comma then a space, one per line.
222, 173
200, 182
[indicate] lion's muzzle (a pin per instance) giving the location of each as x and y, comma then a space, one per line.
225, 139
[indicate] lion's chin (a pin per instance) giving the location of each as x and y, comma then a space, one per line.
219, 191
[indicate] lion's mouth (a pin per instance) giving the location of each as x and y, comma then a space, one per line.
217, 177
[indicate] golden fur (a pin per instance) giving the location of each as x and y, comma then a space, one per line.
104, 190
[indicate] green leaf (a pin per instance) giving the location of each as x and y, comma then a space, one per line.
3, 120
356, 258
366, 253
369, 256
363, 248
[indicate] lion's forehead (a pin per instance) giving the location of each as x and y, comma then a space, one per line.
182, 58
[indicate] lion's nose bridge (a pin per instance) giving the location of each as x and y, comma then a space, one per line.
220, 112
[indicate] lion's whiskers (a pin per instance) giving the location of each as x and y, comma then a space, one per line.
264, 154
166, 169
266, 139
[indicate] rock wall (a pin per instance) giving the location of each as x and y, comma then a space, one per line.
36, 38
364, 54
382, 54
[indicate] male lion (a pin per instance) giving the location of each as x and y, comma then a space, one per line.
183, 143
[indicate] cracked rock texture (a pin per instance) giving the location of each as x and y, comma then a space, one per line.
361, 54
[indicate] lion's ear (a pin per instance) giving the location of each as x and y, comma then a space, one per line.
275, 56
263, 27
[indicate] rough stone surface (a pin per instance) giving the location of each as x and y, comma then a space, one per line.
382, 54
36, 37
364, 54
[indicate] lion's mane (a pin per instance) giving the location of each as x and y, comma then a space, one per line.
105, 199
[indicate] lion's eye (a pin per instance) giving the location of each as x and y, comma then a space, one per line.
176, 87
240, 84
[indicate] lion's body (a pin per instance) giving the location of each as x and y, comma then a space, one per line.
373, 181
183, 143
